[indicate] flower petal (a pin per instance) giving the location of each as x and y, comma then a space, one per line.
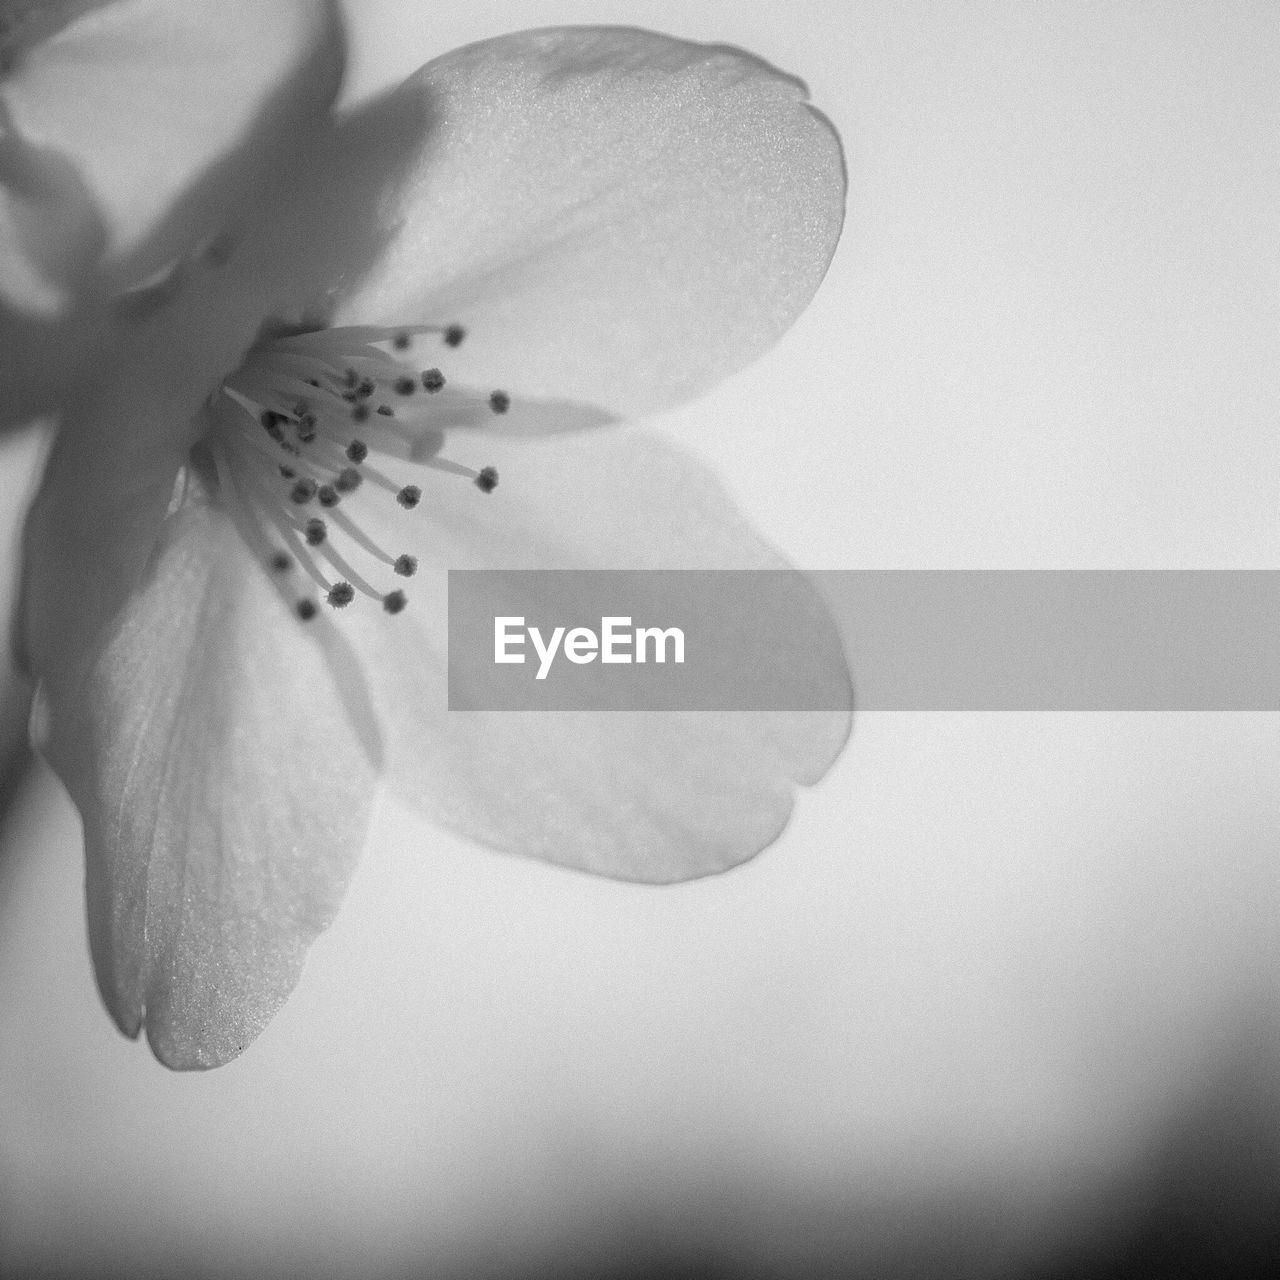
50, 238
50, 232
224, 787
636, 795
618, 218
175, 110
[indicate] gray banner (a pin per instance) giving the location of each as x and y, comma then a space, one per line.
924, 640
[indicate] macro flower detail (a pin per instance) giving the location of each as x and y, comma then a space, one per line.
299, 425
301, 363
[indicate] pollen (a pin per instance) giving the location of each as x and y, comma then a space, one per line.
281, 432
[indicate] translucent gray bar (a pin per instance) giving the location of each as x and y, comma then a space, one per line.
923, 640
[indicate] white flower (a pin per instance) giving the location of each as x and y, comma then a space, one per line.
247, 321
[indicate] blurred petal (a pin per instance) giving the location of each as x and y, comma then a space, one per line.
641, 796
176, 110
50, 238
50, 232
618, 218
225, 789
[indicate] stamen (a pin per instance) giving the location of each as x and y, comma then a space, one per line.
300, 394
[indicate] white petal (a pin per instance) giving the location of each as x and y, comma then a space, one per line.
643, 796
224, 790
175, 110
618, 218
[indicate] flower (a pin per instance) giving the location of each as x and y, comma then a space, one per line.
290, 353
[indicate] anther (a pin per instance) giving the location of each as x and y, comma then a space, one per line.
348, 481
315, 531
306, 610
281, 562
409, 496
454, 335
394, 601
499, 402
341, 594
360, 413
386, 410
303, 491
288, 472
432, 379
357, 451
366, 388
401, 342
406, 566
328, 495
487, 479
405, 386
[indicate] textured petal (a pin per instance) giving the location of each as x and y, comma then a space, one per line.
618, 218
175, 110
637, 795
224, 791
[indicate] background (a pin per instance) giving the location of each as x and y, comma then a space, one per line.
1002, 1001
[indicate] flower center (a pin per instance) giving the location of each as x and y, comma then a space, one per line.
294, 436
